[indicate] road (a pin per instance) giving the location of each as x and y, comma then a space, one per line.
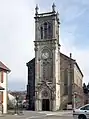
39, 115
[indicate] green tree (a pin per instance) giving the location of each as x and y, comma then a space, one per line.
88, 87
85, 88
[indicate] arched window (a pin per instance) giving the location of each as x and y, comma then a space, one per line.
45, 30
49, 30
41, 32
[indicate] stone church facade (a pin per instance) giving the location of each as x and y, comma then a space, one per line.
51, 74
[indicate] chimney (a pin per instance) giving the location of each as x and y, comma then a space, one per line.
71, 55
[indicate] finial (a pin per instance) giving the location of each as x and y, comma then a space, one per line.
58, 17
70, 55
53, 7
36, 9
57, 14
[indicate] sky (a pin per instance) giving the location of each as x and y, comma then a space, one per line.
17, 30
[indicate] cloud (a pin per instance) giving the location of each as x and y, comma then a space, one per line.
73, 30
80, 55
16, 36
17, 33
74, 36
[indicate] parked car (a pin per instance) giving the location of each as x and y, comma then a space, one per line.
82, 112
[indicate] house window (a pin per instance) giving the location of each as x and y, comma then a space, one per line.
45, 30
2, 77
1, 97
41, 32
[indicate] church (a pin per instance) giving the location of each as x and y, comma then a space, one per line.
53, 77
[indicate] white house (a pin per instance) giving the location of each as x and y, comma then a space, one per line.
3, 86
11, 99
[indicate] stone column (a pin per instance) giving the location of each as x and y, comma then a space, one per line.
54, 29
36, 76
54, 105
54, 64
36, 29
68, 84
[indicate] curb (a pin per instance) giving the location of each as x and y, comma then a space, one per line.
64, 115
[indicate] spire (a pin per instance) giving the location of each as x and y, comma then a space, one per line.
53, 7
57, 14
36, 9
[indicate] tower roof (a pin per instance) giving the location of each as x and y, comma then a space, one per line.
37, 8
73, 60
53, 12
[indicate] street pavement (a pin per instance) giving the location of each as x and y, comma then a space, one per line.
40, 115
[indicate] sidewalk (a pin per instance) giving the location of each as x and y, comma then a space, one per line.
58, 113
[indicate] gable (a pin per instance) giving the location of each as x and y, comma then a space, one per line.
72, 61
3, 67
30, 62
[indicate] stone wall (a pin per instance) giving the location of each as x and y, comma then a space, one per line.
69, 74
67, 84
66, 68
79, 95
31, 84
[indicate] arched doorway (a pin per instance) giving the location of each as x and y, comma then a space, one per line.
45, 105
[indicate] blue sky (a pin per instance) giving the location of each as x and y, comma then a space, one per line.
17, 34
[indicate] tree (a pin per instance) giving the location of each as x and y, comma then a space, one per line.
88, 87
85, 88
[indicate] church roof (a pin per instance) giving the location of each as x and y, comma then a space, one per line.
68, 58
33, 60
73, 61
2, 66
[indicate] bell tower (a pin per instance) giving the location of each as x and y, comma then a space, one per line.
47, 60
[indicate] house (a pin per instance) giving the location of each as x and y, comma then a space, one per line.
3, 87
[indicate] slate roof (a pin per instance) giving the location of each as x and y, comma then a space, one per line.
2, 66
74, 61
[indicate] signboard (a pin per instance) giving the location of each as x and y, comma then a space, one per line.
76, 99
69, 107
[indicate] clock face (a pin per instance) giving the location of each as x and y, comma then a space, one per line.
45, 55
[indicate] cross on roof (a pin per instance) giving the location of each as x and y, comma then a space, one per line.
36, 9
53, 7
